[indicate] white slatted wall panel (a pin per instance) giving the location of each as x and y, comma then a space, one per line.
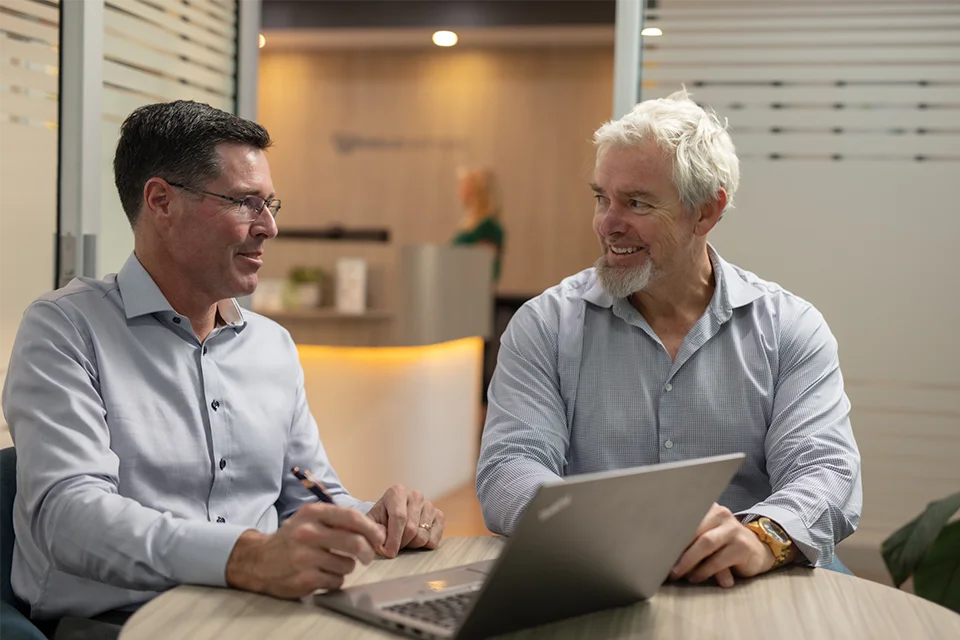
155, 51
29, 38
846, 114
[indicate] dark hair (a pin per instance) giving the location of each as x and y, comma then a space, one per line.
176, 141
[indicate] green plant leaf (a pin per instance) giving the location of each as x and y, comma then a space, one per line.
938, 577
905, 548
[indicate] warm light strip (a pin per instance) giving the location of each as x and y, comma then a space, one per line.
391, 355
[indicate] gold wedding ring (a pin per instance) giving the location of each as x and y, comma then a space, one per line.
424, 525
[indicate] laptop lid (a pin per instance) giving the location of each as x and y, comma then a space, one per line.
597, 541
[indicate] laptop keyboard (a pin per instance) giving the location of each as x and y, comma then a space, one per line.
446, 611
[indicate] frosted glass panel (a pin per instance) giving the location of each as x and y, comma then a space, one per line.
29, 37
157, 52
846, 116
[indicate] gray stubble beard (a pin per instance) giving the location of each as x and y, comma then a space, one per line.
623, 282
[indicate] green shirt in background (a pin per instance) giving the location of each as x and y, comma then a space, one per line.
489, 231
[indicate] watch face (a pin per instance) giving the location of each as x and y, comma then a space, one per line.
774, 531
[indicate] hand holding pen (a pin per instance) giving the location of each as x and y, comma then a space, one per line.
313, 549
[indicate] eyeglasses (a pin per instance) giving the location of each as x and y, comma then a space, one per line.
249, 207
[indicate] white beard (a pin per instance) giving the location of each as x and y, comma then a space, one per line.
623, 282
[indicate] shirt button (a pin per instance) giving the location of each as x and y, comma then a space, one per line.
221, 519
668, 444
176, 321
669, 387
223, 463
215, 404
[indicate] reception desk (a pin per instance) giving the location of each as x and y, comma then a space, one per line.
391, 415
396, 393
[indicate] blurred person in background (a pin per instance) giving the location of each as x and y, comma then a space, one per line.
480, 198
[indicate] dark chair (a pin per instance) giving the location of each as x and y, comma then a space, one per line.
14, 612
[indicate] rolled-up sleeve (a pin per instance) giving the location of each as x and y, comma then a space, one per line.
525, 439
67, 474
812, 456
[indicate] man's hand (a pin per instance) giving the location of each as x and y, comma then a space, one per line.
409, 521
314, 549
721, 548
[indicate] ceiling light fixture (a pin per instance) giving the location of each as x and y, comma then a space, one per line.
651, 31
445, 38
263, 41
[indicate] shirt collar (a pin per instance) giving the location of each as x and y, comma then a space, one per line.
733, 290
141, 296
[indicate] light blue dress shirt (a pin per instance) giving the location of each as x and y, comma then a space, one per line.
584, 384
143, 453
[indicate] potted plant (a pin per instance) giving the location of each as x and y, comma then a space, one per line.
305, 287
928, 548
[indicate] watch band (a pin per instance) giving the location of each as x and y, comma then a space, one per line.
772, 535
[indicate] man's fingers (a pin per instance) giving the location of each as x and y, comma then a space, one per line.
319, 536
415, 517
704, 546
718, 564
335, 563
724, 578
422, 535
714, 518
436, 533
395, 504
343, 518
310, 580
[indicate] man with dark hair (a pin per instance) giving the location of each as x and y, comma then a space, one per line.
156, 423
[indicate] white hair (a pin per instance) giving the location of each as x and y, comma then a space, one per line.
704, 158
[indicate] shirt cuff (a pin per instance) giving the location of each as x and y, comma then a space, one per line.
790, 523
201, 553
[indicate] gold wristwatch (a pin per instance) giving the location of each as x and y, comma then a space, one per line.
772, 535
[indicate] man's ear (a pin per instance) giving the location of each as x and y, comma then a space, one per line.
709, 213
157, 196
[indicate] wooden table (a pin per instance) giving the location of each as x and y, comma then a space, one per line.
794, 603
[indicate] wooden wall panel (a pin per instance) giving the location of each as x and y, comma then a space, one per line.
373, 138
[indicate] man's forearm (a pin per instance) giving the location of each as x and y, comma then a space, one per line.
505, 489
103, 536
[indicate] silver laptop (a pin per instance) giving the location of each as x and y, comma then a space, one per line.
586, 543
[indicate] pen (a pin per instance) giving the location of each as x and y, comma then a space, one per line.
306, 479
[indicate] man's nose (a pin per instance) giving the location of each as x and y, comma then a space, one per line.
612, 222
265, 225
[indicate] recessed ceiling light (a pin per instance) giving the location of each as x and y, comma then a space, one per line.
651, 31
445, 38
263, 41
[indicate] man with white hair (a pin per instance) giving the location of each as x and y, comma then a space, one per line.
663, 351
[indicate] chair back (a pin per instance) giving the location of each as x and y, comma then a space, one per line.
8, 492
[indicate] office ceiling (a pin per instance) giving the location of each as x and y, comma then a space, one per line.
393, 14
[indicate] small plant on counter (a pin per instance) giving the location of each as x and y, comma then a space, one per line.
305, 287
